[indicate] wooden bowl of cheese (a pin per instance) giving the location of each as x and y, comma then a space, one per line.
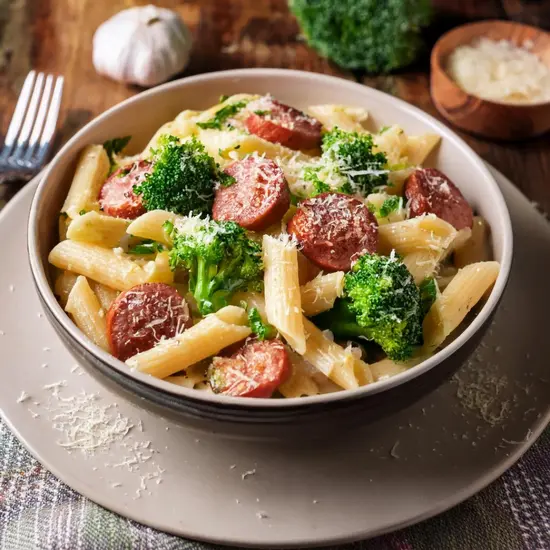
492, 79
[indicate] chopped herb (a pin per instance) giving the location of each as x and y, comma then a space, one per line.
237, 147
147, 246
223, 98
113, 147
226, 180
310, 174
390, 205
428, 294
222, 115
262, 113
220, 151
262, 330
384, 129
63, 215
372, 208
82, 212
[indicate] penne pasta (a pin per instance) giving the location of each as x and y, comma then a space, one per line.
335, 362
205, 339
423, 242
454, 303
91, 171
320, 293
105, 295
417, 148
150, 226
476, 248
87, 312
64, 283
106, 266
349, 119
300, 382
193, 376
99, 229
283, 303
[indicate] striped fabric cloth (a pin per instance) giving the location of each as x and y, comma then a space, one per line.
37, 511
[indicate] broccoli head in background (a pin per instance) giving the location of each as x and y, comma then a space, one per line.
348, 165
381, 303
182, 179
374, 35
220, 258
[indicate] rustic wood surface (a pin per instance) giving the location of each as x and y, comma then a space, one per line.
56, 36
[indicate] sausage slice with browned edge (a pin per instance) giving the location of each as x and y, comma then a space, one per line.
430, 191
144, 315
259, 197
280, 123
117, 197
255, 370
333, 230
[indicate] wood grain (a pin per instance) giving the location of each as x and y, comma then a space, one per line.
56, 35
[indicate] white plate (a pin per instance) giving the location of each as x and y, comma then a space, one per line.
389, 474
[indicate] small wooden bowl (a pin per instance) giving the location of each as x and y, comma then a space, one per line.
491, 119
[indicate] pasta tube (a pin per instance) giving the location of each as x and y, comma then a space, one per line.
87, 313
205, 339
283, 304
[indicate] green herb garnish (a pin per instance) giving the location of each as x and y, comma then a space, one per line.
262, 330
113, 147
222, 115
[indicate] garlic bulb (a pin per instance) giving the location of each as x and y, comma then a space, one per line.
143, 45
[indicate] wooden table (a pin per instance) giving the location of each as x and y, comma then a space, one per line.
56, 36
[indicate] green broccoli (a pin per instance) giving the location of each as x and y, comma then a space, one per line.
348, 165
390, 205
221, 260
182, 179
374, 35
220, 117
263, 331
428, 293
113, 147
381, 303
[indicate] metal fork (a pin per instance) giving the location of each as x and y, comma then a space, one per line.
32, 127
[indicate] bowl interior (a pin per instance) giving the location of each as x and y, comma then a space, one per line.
141, 116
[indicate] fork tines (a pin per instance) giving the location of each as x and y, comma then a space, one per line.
32, 126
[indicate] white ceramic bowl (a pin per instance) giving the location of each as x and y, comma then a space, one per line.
141, 115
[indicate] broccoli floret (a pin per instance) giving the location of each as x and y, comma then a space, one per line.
263, 331
381, 303
348, 165
182, 179
390, 205
113, 147
220, 258
364, 34
428, 293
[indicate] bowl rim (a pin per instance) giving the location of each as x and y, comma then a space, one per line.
437, 61
38, 269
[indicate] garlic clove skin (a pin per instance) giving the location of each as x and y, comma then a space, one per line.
143, 45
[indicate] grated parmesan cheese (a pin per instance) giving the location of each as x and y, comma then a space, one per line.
500, 71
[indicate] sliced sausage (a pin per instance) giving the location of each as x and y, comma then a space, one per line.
117, 197
333, 230
255, 370
280, 123
144, 315
430, 191
259, 197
